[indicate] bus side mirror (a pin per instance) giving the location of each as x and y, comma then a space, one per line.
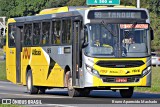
151, 33
83, 41
85, 44
85, 38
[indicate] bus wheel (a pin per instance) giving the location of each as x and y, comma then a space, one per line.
41, 90
85, 92
29, 81
72, 92
127, 93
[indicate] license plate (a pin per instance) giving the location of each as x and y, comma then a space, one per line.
121, 79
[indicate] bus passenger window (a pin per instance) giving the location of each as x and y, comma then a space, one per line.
12, 35
66, 34
45, 32
56, 32
27, 35
36, 33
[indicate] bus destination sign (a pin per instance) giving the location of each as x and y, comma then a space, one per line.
112, 14
103, 2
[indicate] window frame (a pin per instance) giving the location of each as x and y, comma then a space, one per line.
54, 20
50, 32
69, 19
24, 34
9, 31
34, 45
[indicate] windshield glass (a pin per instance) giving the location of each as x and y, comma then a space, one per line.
117, 40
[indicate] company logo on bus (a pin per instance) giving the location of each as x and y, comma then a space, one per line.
26, 53
36, 52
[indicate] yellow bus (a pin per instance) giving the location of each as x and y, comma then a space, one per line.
81, 49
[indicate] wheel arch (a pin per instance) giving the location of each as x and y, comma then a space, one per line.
27, 69
66, 69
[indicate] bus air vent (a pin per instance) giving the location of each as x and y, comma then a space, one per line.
120, 64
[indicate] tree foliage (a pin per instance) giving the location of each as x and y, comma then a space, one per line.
76, 3
56, 3
154, 6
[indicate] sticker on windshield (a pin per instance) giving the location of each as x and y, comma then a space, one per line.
137, 26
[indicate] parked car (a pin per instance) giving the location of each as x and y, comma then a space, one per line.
155, 59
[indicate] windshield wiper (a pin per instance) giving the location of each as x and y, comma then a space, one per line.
107, 28
132, 27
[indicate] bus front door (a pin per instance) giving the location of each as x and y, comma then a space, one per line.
76, 53
13, 54
18, 53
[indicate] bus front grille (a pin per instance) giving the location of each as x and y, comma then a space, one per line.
120, 64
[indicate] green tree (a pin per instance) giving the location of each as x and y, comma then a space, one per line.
154, 6
16, 8
77, 3
56, 3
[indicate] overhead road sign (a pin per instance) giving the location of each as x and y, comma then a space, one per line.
103, 2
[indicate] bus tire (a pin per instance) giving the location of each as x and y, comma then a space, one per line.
72, 92
127, 93
85, 92
29, 82
41, 90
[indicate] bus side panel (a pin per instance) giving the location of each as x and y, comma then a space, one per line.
52, 79
44, 73
25, 58
11, 64
11, 73
39, 65
56, 76
45, 67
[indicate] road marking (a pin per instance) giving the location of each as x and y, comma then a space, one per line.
40, 96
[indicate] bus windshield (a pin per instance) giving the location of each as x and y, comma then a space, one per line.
117, 40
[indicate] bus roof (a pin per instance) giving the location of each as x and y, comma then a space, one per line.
73, 10
61, 9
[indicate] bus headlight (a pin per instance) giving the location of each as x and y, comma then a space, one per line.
93, 71
146, 71
89, 68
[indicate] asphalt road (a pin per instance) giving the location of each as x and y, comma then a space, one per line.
59, 97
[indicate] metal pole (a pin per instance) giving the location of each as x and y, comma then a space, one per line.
138, 3
4, 32
2, 25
